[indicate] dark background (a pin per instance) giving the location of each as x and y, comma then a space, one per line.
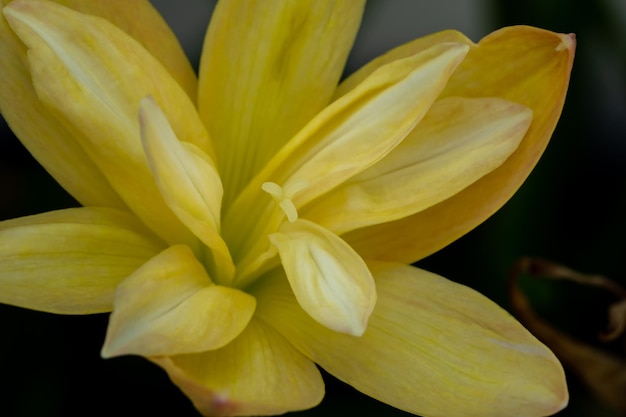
570, 210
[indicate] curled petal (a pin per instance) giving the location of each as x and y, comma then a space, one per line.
70, 261
257, 374
188, 181
170, 306
521, 64
330, 281
432, 348
458, 141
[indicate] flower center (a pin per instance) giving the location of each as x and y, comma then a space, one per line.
283, 196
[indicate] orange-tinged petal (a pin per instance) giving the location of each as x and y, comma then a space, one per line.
330, 281
432, 347
93, 76
69, 261
170, 306
258, 374
267, 68
522, 64
42, 134
458, 141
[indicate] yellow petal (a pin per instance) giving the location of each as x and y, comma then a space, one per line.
525, 65
403, 51
189, 183
267, 68
170, 306
458, 141
45, 138
330, 281
432, 347
350, 135
152, 33
93, 76
259, 373
69, 261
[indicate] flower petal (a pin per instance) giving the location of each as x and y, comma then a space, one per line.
330, 281
42, 134
259, 373
403, 51
189, 183
432, 347
93, 76
522, 64
152, 33
267, 68
347, 137
170, 306
69, 261
458, 141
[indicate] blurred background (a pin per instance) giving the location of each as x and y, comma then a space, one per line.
570, 210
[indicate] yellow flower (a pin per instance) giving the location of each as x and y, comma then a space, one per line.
244, 234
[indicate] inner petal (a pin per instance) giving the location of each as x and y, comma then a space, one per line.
330, 281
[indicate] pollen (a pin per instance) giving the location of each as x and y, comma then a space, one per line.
284, 195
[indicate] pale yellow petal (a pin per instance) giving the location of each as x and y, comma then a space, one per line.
350, 135
139, 19
189, 183
258, 374
330, 281
42, 134
458, 141
267, 68
170, 306
525, 65
403, 51
93, 76
69, 261
432, 348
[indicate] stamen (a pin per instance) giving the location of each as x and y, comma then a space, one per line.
283, 196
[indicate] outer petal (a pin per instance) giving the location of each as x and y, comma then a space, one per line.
51, 144
267, 68
152, 32
350, 135
44, 136
189, 183
170, 306
69, 261
458, 141
432, 348
330, 281
522, 64
258, 374
93, 77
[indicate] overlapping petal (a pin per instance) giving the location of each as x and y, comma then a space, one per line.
522, 64
267, 68
330, 281
259, 373
70, 261
189, 183
170, 306
432, 348
46, 139
93, 76
347, 137
458, 141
